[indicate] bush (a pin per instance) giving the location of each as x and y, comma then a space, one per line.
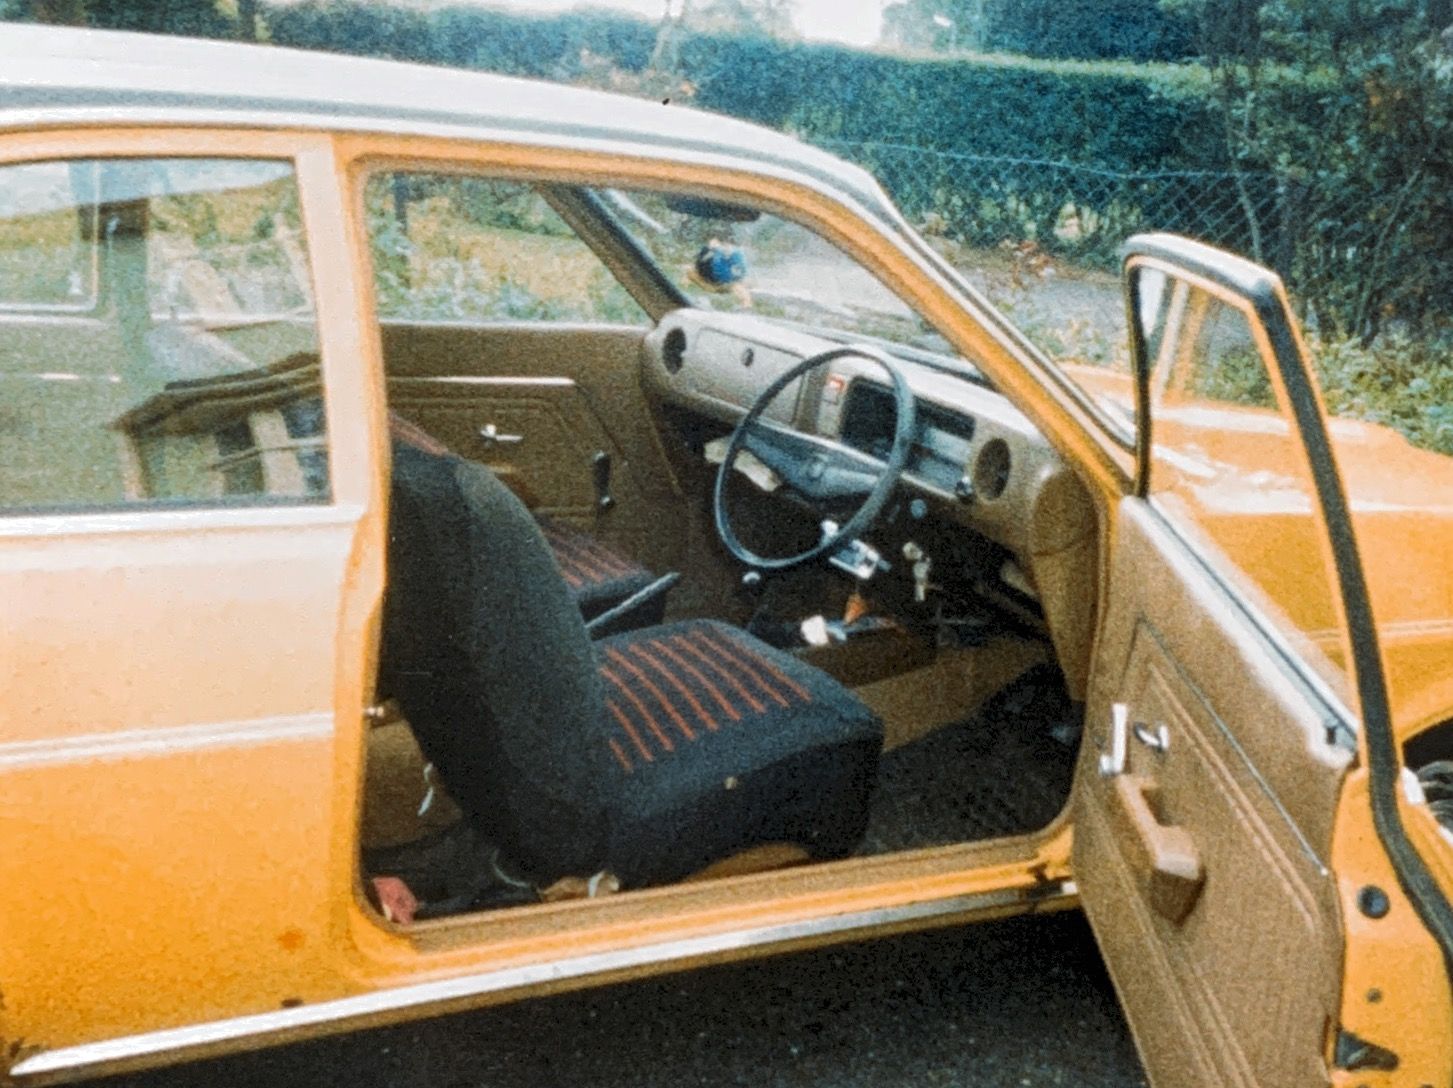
1399, 382
1118, 115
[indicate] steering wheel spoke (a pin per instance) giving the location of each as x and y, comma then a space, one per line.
783, 451
829, 475
818, 470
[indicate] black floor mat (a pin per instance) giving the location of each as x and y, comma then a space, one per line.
1005, 771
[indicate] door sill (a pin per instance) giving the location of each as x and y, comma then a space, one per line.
397, 1003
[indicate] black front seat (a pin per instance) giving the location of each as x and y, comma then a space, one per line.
650, 754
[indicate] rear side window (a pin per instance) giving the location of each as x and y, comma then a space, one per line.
157, 338
452, 248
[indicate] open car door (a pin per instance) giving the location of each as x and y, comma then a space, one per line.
1234, 697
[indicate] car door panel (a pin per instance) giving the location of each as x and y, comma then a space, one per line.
1239, 990
569, 394
183, 660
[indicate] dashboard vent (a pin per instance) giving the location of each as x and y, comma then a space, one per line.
673, 350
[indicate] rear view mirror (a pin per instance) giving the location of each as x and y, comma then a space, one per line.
700, 207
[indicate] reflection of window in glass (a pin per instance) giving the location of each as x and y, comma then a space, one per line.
193, 376
474, 249
1229, 468
238, 460
303, 421
48, 223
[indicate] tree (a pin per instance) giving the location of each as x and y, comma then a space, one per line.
196, 18
937, 25
770, 18
1348, 106
1140, 30
1071, 29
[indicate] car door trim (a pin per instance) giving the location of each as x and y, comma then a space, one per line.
1339, 724
127, 744
480, 379
454, 994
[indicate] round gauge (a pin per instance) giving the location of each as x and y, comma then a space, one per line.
991, 469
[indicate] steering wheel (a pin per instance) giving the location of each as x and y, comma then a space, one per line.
821, 470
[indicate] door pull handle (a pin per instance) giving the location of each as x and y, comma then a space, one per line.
490, 437
1162, 856
600, 468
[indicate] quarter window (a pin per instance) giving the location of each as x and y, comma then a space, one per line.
157, 338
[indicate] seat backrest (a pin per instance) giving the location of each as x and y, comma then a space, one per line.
487, 655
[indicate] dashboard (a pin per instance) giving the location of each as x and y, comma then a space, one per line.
975, 458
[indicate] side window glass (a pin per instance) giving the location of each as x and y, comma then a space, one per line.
212, 258
48, 261
192, 377
1228, 467
451, 248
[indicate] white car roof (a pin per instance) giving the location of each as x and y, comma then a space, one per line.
52, 75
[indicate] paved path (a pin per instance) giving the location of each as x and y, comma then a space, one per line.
1018, 1003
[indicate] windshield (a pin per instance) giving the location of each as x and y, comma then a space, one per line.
730, 258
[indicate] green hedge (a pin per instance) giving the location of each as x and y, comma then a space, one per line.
1121, 116
1117, 115
546, 47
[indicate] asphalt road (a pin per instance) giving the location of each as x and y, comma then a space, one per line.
1014, 1003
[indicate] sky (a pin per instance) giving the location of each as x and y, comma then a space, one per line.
855, 22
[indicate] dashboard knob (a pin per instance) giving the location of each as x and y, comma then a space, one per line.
964, 488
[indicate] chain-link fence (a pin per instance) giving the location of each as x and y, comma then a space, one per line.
1080, 213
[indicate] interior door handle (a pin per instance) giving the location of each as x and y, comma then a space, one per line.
490, 437
1164, 857
1157, 739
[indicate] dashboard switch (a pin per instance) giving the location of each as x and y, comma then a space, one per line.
964, 488
921, 566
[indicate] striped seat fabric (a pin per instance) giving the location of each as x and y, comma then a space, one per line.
680, 684
722, 743
597, 577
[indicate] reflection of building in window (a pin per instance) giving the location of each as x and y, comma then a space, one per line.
257, 432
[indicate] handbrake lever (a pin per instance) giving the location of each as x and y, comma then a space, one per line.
631, 603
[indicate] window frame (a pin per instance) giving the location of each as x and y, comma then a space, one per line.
1344, 721
355, 461
614, 250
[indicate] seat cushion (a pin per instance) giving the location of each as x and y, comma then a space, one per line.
719, 743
